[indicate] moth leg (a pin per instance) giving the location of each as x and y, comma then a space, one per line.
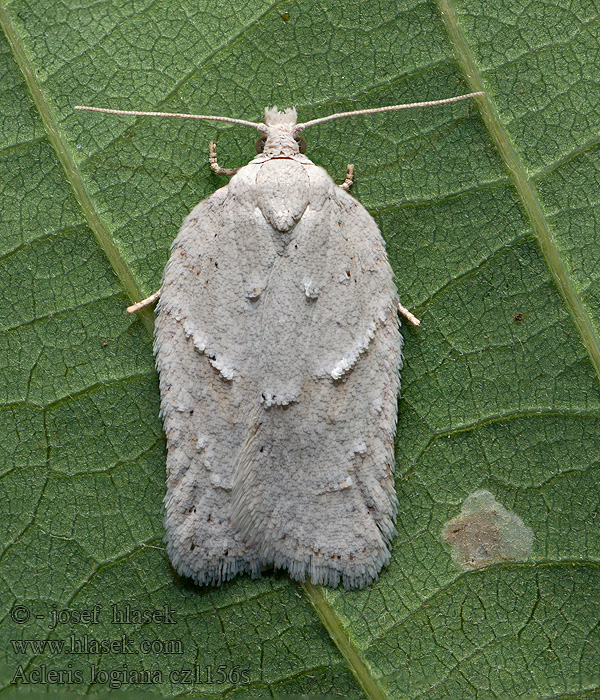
212, 159
408, 316
349, 176
145, 302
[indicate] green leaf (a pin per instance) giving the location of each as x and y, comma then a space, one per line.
490, 213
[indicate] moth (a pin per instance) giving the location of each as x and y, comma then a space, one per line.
279, 354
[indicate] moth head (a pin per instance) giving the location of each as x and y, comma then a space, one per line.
280, 138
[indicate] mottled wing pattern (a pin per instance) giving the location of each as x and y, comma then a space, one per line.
314, 482
279, 353
201, 333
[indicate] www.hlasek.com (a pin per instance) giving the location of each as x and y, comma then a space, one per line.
72, 669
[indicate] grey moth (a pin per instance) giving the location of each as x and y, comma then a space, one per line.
279, 354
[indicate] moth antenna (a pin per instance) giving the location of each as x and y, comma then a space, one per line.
132, 113
432, 103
